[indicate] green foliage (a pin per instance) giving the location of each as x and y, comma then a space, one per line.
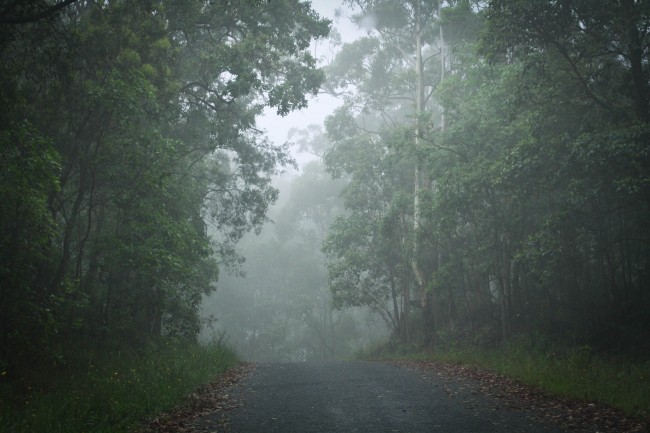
29, 167
367, 248
382, 251
127, 127
534, 191
529, 210
112, 391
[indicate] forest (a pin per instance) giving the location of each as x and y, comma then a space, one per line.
492, 162
127, 128
485, 178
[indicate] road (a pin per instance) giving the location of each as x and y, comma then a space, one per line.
364, 397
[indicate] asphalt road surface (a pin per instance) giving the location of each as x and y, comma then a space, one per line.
364, 397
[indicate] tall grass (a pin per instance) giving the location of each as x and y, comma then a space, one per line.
113, 392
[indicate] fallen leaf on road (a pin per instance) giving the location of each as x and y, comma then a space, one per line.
208, 404
570, 414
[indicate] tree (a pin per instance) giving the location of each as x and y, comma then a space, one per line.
369, 247
145, 114
534, 180
29, 169
392, 97
596, 43
526, 199
590, 57
282, 309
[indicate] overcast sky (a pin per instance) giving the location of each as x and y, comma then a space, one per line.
322, 105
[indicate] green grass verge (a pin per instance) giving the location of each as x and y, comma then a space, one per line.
576, 373
112, 393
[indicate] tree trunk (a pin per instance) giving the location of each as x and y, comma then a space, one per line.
396, 313
417, 211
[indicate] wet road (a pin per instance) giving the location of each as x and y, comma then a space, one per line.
363, 397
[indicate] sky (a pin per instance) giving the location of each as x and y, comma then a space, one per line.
320, 106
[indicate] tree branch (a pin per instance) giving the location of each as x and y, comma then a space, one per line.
43, 14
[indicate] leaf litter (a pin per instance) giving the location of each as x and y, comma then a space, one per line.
464, 382
206, 409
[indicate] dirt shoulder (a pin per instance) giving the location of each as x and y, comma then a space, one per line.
463, 382
215, 399
212, 407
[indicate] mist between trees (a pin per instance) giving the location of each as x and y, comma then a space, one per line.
491, 157
493, 163
496, 163
280, 307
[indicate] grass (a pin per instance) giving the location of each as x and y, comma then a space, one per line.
576, 373
113, 393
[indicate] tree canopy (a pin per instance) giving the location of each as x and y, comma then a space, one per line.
491, 157
128, 126
526, 125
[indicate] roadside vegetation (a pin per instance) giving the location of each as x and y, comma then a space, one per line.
127, 128
129, 134
112, 391
497, 189
577, 373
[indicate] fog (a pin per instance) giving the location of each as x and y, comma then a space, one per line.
278, 307
424, 211
305, 181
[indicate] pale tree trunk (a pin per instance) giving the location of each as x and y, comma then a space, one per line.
419, 108
406, 292
443, 66
420, 184
422, 181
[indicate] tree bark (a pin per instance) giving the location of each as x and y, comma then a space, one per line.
417, 211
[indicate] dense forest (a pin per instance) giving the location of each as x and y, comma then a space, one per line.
128, 127
485, 178
497, 166
492, 159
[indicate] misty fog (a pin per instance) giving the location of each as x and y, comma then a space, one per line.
188, 184
277, 306
454, 196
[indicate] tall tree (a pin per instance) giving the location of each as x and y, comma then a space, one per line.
597, 47
141, 118
388, 80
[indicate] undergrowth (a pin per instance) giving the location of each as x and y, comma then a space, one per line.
111, 392
576, 373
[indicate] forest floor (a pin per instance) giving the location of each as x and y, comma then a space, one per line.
211, 408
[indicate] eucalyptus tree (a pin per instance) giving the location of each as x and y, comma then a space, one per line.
383, 89
388, 81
